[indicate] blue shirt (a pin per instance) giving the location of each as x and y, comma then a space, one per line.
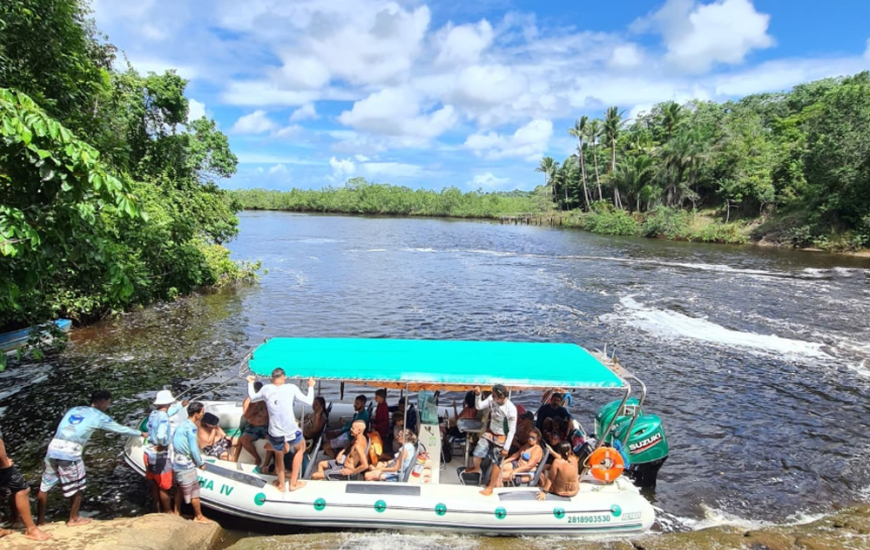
159, 430
186, 447
76, 428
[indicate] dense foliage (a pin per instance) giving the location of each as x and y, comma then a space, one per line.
800, 160
107, 191
361, 197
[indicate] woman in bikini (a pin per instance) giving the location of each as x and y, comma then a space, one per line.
523, 462
563, 479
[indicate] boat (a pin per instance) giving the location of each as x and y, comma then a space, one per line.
10, 341
432, 495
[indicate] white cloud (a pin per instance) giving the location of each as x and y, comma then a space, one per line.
196, 110
255, 123
392, 169
306, 112
278, 169
293, 130
488, 181
462, 44
488, 85
626, 56
340, 167
528, 142
267, 158
361, 158
780, 75
396, 112
698, 36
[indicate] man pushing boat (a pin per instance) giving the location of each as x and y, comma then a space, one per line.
498, 438
284, 432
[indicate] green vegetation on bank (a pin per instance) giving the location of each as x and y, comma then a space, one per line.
790, 168
359, 196
107, 192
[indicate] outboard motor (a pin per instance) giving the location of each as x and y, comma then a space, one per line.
647, 448
646, 445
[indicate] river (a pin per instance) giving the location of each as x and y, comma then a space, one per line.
757, 360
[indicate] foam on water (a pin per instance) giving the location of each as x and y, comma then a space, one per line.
671, 324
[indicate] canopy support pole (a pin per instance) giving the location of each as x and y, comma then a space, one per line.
405, 427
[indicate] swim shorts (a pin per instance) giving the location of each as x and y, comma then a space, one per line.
487, 449
11, 480
69, 473
256, 432
188, 484
158, 467
278, 442
220, 447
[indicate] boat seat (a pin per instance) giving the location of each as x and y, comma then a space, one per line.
407, 473
316, 445
532, 480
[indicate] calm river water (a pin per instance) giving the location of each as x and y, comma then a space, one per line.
757, 360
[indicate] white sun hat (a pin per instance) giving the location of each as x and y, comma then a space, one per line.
164, 397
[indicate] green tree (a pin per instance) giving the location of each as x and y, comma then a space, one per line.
579, 131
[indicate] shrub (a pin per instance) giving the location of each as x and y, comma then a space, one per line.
616, 222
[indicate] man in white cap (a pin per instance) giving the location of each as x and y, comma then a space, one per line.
158, 462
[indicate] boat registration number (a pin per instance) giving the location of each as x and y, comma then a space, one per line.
603, 518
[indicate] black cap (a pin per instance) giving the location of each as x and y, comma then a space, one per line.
209, 419
499, 390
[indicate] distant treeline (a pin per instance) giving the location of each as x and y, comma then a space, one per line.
359, 196
800, 160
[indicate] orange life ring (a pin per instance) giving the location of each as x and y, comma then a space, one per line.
606, 464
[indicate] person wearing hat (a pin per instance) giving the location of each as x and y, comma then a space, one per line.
158, 462
499, 436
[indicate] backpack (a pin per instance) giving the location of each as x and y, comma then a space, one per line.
376, 447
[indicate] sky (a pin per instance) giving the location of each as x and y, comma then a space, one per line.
468, 94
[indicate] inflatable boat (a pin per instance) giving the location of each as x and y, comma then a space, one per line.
434, 494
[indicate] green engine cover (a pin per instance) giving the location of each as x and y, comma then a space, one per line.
605, 413
647, 441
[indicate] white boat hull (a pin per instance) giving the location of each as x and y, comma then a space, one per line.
617, 508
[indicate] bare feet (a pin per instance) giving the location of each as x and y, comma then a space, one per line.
299, 484
202, 519
279, 486
486, 492
5, 533
78, 521
37, 535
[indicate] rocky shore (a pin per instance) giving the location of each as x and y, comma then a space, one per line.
848, 529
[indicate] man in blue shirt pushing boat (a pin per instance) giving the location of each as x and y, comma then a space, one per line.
496, 441
63, 461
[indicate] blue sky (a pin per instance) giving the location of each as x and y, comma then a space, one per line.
469, 94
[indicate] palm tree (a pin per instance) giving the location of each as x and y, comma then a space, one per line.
594, 133
682, 156
672, 117
635, 176
579, 132
613, 123
548, 166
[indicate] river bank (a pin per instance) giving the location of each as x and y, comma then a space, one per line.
845, 529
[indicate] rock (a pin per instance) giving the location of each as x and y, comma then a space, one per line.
151, 532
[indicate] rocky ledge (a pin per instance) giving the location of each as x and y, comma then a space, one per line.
848, 529
151, 532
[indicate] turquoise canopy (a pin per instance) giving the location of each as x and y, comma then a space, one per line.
423, 364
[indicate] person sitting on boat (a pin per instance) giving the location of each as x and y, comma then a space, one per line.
553, 409
338, 439
63, 461
525, 425
563, 476
213, 440
257, 428
351, 460
392, 470
494, 444
186, 459
14, 484
312, 424
284, 433
522, 463
468, 412
398, 421
381, 422
158, 462
411, 420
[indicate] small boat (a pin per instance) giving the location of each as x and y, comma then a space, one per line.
433, 494
10, 341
